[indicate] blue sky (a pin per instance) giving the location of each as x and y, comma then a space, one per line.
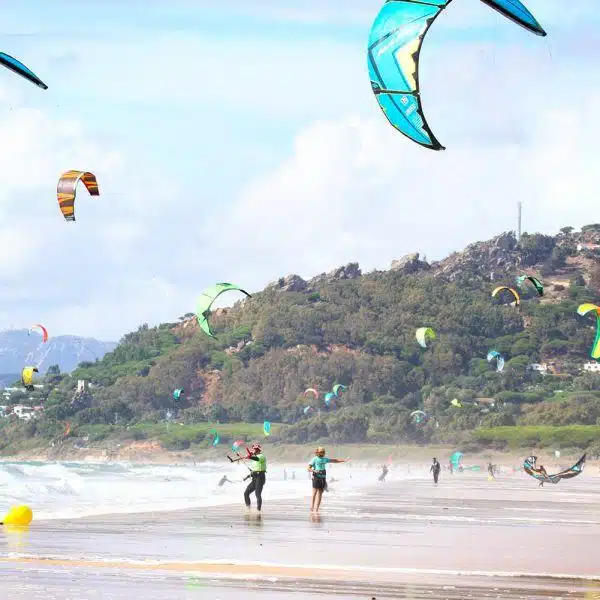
240, 141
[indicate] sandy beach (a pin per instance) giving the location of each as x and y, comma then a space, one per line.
466, 538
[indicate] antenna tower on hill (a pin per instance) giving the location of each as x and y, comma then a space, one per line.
520, 214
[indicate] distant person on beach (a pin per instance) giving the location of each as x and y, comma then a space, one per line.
317, 468
542, 471
435, 469
450, 467
384, 472
258, 475
284, 475
490, 469
293, 474
223, 480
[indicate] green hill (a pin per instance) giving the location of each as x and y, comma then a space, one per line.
359, 330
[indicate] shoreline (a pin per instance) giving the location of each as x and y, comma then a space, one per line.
153, 454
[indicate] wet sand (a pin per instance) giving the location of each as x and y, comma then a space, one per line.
466, 538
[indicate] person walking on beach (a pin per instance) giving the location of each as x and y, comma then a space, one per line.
317, 468
258, 475
435, 469
384, 472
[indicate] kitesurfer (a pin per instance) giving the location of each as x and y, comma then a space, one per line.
317, 468
435, 469
223, 480
258, 475
384, 472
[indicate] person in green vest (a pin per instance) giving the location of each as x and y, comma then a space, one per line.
258, 475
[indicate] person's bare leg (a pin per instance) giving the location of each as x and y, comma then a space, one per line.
314, 497
319, 496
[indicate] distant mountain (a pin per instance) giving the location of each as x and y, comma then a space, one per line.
19, 348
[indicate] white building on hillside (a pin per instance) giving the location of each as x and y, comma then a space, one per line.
593, 367
542, 369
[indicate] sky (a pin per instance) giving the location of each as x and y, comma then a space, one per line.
240, 141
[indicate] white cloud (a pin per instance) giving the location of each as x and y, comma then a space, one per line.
350, 189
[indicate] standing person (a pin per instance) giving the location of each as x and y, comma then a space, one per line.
317, 468
384, 472
258, 474
490, 469
435, 469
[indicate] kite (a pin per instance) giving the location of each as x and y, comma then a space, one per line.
329, 397
338, 388
307, 409
583, 310
457, 403
494, 354
237, 445
529, 465
424, 335
267, 428
67, 186
207, 299
20, 69
178, 393
419, 417
311, 391
507, 290
393, 55
27, 377
537, 284
455, 460
44, 332
216, 438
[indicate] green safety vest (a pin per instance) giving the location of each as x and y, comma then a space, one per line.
260, 465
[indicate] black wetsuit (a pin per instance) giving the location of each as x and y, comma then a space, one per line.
259, 479
384, 473
256, 485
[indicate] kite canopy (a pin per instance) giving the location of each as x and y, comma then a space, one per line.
338, 388
27, 377
216, 438
42, 329
20, 69
311, 391
393, 54
457, 403
537, 284
419, 417
329, 397
495, 355
425, 335
455, 459
178, 393
507, 292
67, 185
583, 310
207, 299
529, 466
267, 428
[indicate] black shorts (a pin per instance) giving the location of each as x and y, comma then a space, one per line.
319, 483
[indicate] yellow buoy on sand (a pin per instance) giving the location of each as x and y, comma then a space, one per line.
18, 515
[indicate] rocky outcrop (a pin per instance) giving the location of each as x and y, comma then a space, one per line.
290, 283
349, 271
487, 260
409, 263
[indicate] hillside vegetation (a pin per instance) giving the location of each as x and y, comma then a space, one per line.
359, 330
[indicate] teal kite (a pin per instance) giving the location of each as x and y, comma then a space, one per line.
20, 69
